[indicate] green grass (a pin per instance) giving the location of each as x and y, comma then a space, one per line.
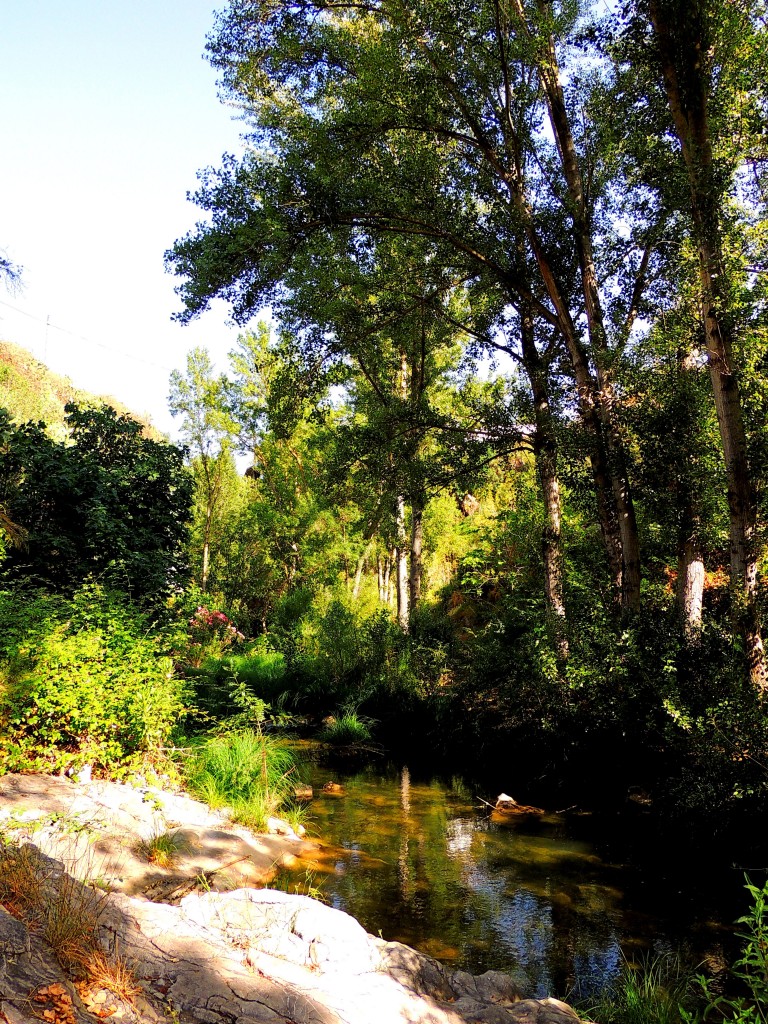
250, 772
656, 990
346, 730
260, 669
162, 847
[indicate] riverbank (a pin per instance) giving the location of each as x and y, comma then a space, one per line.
158, 906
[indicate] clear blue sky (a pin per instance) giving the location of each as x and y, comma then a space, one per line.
108, 110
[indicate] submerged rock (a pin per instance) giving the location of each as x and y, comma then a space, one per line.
333, 789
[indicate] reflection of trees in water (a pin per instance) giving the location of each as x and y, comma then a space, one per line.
430, 873
585, 953
403, 862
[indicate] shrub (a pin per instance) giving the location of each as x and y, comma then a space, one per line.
211, 634
751, 969
84, 683
232, 688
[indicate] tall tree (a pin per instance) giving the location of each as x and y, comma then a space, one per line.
396, 322
200, 398
475, 143
700, 48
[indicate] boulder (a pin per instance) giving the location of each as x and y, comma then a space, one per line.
262, 956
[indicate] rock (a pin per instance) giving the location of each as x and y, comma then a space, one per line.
263, 956
279, 827
28, 969
304, 793
506, 804
333, 789
97, 830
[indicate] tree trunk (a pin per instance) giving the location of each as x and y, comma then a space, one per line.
615, 506
545, 453
681, 45
690, 586
416, 562
618, 523
206, 549
690, 562
401, 564
359, 572
384, 566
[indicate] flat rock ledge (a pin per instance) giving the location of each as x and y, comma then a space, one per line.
260, 957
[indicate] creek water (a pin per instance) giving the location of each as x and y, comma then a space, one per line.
557, 899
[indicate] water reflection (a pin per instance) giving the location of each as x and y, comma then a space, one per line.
419, 862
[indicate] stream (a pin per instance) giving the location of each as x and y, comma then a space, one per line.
558, 899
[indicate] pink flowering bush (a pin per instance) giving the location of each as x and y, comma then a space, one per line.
211, 634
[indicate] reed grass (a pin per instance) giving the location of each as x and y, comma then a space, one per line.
252, 773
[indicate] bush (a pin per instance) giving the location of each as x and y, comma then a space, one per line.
211, 634
751, 969
83, 682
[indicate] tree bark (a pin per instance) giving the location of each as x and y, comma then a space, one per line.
401, 564
609, 459
682, 49
206, 559
691, 573
690, 586
384, 569
416, 561
545, 454
359, 571
615, 505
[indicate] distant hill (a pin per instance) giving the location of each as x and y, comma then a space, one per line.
30, 391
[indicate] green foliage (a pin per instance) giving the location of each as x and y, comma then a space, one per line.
234, 689
335, 656
751, 969
404, 236
656, 990
111, 503
249, 771
348, 728
84, 681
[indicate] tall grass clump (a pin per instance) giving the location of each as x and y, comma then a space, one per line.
656, 990
65, 912
348, 729
253, 773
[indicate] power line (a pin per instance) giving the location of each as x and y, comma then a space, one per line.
81, 337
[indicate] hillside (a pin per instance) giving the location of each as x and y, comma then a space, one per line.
30, 391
